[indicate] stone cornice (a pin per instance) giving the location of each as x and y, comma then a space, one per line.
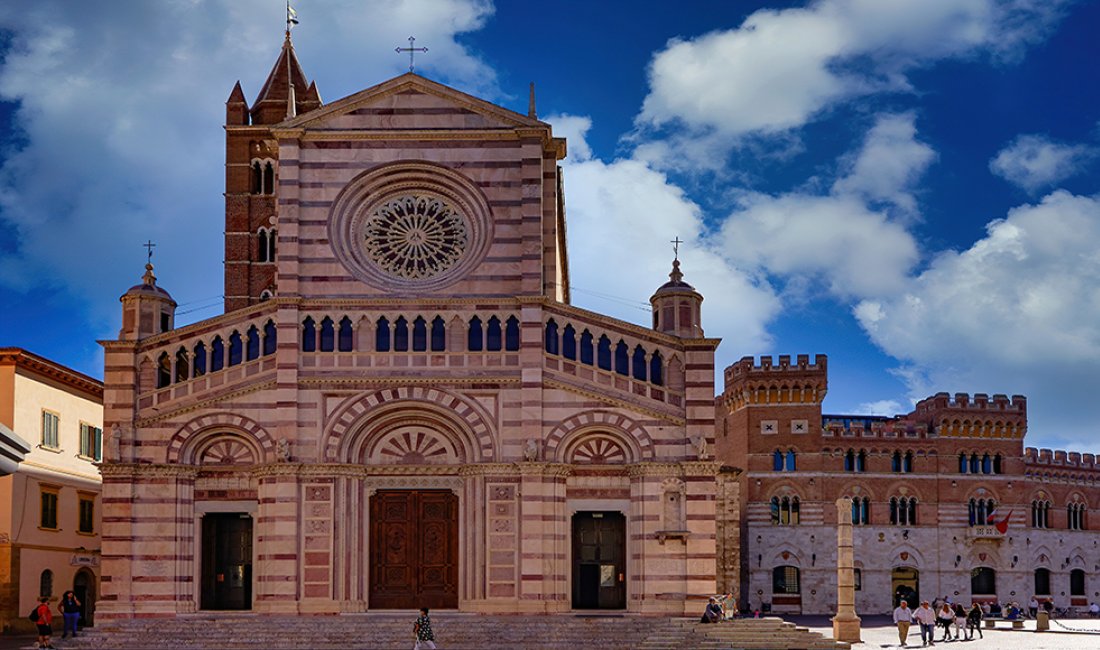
42, 367
405, 380
168, 415
148, 470
593, 393
655, 469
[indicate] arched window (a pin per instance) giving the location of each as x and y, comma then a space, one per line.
777, 461
1042, 582
261, 245
981, 511
850, 461
622, 358
328, 335
997, 464
983, 581
346, 335
420, 334
474, 339
198, 360
861, 511
907, 462
962, 463
861, 461
309, 335
987, 464
551, 337
271, 337
639, 364
269, 178
790, 460
217, 354
439, 334
235, 348
656, 370
903, 511
974, 464
911, 510
493, 337
257, 173
401, 335
272, 235
382, 335
164, 370
1077, 582
183, 365
785, 580
586, 347
1075, 516
252, 338
785, 511
569, 343
45, 584
603, 353
511, 334
895, 462
1040, 514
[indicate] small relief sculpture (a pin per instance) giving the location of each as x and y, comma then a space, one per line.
114, 444
282, 450
700, 444
530, 450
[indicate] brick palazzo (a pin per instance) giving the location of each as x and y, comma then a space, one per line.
399, 406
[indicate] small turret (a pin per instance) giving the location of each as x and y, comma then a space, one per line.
147, 309
236, 108
676, 306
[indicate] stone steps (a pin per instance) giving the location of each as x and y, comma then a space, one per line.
454, 631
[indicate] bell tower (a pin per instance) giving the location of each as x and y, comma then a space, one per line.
676, 306
252, 176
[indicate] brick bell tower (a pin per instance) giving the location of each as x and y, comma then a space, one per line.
252, 176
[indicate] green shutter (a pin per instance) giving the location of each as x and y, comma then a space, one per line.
98, 444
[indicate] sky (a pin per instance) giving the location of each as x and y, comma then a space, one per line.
908, 186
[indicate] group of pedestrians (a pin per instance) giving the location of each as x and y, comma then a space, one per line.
948, 616
69, 607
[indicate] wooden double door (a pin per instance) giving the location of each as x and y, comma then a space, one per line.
226, 561
599, 560
413, 549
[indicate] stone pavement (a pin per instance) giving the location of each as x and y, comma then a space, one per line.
879, 632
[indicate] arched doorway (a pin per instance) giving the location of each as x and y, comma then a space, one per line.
905, 585
85, 589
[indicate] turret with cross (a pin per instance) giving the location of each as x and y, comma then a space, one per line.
676, 304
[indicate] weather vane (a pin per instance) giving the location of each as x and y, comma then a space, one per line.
676, 246
411, 49
149, 246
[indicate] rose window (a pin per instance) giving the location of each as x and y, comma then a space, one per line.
415, 236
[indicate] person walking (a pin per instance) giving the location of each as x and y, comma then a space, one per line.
927, 620
946, 617
69, 607
903, 616
974, 622
44, 621
422, 629
960, 620
1033, 607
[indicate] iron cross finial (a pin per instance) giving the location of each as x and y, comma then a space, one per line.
149, 246
676, 246
411, 49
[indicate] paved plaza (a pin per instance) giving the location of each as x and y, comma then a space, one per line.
879, 632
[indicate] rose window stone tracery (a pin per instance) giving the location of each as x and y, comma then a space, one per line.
415, 236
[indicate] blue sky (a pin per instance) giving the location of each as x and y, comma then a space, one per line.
908, 186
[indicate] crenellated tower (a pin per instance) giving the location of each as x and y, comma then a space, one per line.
252, 174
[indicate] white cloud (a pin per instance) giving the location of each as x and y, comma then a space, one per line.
889, 164
574, 129
781, 68
1034, 162
887, 407
1014, 313
622, 215
121, 106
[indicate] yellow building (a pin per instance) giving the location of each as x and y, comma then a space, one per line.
49, 505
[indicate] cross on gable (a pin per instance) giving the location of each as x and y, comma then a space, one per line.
411, 50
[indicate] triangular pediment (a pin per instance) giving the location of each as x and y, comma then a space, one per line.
411, 102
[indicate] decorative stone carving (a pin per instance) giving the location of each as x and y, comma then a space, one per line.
114, 444
415, 236
700, 444
531, 450
282, 450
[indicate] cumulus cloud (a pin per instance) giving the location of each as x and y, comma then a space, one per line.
120, 107
887, 407
781, 68
1034, 162
1014, 313
889, 164
622, 215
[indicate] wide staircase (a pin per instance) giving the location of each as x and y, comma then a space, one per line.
453, 631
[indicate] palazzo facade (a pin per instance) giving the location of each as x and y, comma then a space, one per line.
947, 501
400, 407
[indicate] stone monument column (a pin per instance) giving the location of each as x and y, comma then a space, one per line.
845, 623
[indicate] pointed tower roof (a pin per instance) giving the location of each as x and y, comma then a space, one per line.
271, 105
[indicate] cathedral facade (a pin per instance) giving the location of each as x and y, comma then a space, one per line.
400, 407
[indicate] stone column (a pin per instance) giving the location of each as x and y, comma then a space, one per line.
845, 623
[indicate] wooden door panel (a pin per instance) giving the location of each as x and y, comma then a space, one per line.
599, 560
414, 549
